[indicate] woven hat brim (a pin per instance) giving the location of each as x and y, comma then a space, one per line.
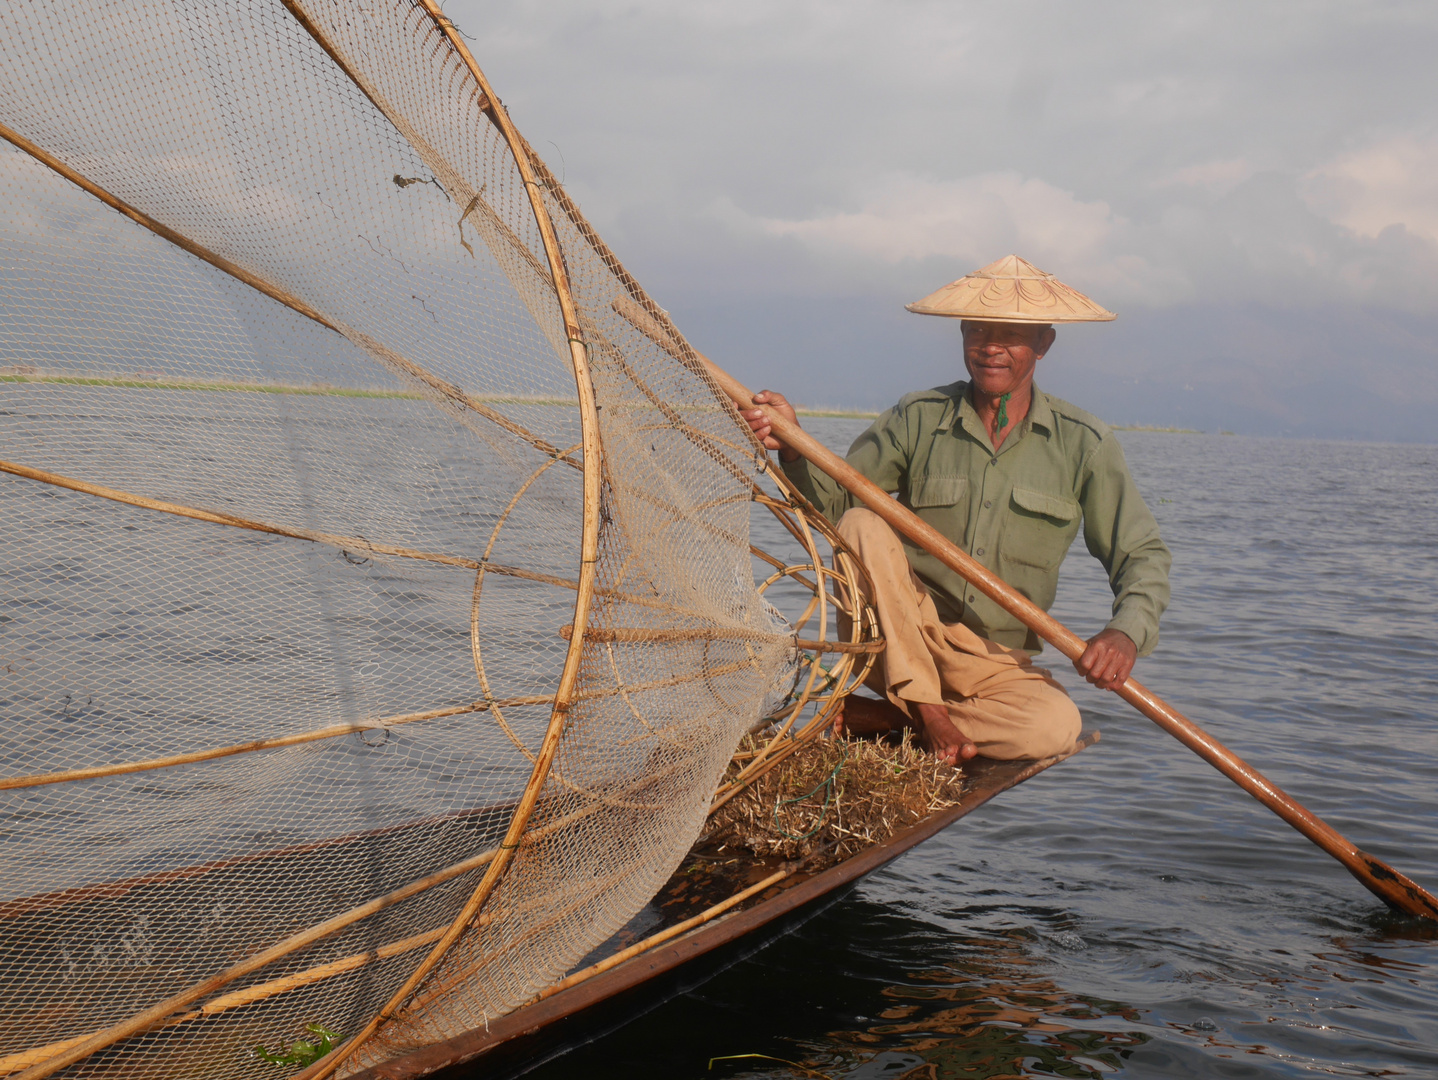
918, 308
1011, 290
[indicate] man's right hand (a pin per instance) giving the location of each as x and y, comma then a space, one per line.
759, 423
940, 737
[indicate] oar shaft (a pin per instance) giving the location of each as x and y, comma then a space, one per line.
1393, 888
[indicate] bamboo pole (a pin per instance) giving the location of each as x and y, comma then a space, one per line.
447, 390
345, 543
336, 730
247, 996
674, 931
1393, 888
558, 905
625, 634
143, 502
646, 634
331, 732
157, 1014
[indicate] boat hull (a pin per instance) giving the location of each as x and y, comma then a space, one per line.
547, 1028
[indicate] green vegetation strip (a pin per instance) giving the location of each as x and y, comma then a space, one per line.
260, 388
140, 383
1153, 427
838, 414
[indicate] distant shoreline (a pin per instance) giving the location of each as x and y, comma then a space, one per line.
857, 414
158, 382
1167, 430
837, 414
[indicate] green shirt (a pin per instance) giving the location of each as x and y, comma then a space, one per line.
1016, 510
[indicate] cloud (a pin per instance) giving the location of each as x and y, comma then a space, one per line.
1216, 177
969, 222
785, 175
1391, 182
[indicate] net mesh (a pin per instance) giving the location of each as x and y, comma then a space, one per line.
294, 518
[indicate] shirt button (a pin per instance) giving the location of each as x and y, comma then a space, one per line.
971, 599
981, 551
988, 504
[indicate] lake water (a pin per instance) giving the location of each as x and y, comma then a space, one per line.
1131, 913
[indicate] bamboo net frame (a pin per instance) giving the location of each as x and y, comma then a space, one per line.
353, 478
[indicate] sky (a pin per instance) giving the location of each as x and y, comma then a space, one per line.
1252, 186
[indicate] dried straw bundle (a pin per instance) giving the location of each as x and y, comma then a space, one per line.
834, 797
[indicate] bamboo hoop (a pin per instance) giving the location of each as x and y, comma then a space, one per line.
589, 557
816, 600
566, 632
842, 680
675, 741
475, 651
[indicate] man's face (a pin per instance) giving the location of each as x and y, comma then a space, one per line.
1001, 356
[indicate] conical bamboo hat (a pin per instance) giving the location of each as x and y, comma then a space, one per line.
1011, 290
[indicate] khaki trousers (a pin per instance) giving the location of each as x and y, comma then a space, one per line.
995, 695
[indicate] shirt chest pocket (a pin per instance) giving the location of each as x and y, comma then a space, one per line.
934, 491
942, 501
1039, 528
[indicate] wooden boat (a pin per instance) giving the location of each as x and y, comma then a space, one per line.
624, 978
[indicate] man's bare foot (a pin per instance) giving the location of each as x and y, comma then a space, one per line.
860, 716
863, 716
940, 737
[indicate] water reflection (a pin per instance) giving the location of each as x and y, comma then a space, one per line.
873, 989
993, 1014
990, 1013
985, 1009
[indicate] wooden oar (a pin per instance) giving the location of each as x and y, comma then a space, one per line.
1386, 883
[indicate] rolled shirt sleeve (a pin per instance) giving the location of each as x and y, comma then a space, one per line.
1121, 533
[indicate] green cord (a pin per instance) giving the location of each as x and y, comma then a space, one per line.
1003, 420
827, 782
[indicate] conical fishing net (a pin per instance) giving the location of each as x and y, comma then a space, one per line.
378, 612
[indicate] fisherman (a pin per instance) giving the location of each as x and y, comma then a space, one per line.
1007, 473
